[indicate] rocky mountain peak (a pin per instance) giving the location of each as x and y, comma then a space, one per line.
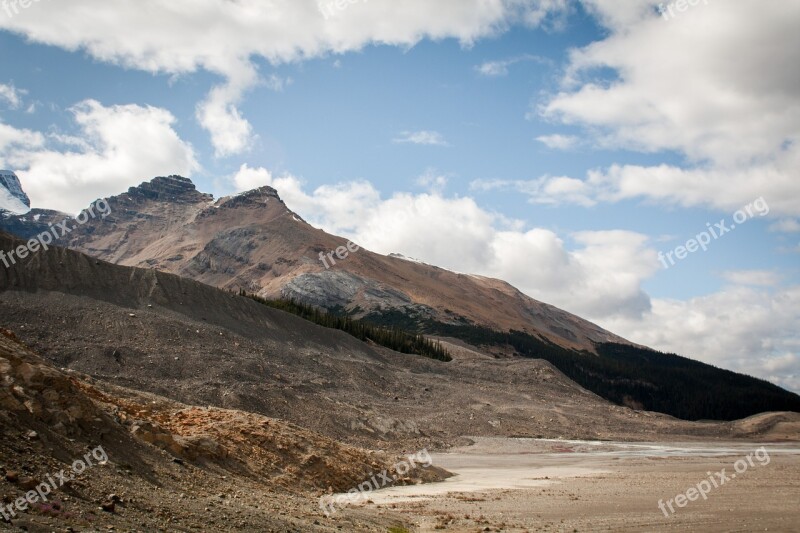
255, 197
12, 197
170, 188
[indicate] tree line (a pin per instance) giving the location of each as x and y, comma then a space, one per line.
640, 377
390, 337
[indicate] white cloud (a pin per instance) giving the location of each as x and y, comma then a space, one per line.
277, 83
341, 207
231, 133
432, 180
758, 278
738, 111
431, 138
600, 277
223, 37
117, 147
547, 190
550, 13
12, 138
11, 95
493, 69
558, 141
718, 189
247, 178
738, 127
786, 225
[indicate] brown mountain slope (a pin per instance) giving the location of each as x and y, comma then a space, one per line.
155, 332
255, 242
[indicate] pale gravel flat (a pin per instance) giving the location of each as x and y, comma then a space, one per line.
601, 487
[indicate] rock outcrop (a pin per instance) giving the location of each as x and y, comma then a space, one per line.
169, 189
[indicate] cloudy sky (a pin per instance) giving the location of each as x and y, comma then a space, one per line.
569, 147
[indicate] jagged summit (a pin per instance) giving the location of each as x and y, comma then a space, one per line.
178, 189
169, 188
255, 197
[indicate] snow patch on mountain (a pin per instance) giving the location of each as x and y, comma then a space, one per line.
12, 197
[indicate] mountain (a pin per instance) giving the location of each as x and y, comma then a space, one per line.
253, 243
160, 334
12, 198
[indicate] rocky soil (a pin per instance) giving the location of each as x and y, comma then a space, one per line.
169, 467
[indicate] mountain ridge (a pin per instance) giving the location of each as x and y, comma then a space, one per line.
255, 242
252, 243
160, 334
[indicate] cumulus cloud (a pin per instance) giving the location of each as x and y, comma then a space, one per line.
116, 147
719, 189
224, 37
742, 110
738, 128
11, 96
247, 178
430, 138
12, 138
231, 133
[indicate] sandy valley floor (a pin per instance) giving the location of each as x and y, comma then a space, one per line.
538, 485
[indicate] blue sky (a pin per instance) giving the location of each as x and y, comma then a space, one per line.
559, 145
